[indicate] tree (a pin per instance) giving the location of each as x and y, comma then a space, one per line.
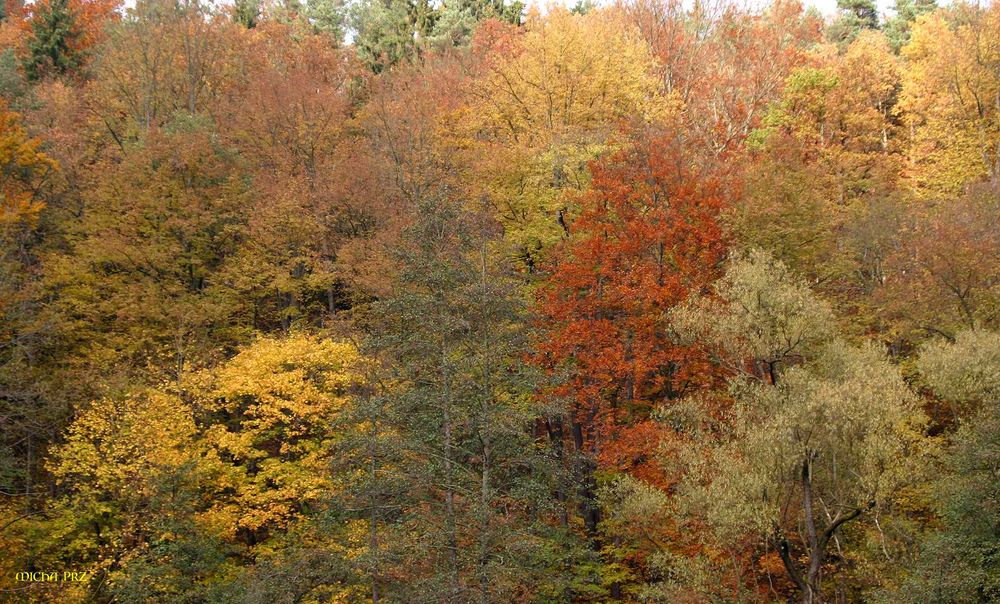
115, 453
141, 278
945, 272
27, 175
965, 373
724, 64
62, 34
459, 19
269, 411
328, 17
291, 124
53, 36
387, 32
459, 403
854, 16
822, 179
246, 13
898, 28
548, 100
952, 59
162, 488
646, 238
820, 433
163, 59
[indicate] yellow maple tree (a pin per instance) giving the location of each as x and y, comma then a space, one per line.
949, 98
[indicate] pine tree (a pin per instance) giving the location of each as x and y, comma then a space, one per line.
854, 17
897, 29
51, 48
460, 406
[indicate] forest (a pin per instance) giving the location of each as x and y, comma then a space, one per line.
473, 301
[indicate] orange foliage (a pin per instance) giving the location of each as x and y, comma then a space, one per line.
90, 20
647, 237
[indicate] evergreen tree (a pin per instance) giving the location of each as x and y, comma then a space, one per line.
460, 406
897, 29
327, 16
387, 32
458, 19
854, 16
51, 48
246, 13
960, 562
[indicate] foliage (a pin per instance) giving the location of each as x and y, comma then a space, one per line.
966, 496
413, 301
951, 57
807, 449
62, 34
547, 99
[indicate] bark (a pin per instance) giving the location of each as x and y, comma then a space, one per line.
809, 580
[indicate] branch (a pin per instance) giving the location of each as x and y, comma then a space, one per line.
828, 533
21, 517
786, 558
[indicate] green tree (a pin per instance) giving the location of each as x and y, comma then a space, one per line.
51, 49
853, 17
897, 28
458, 18
460, 403
960, 562
246, 13
822, 438
139, 288
328, 17
387, 32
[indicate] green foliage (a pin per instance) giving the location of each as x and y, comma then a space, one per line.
965, 371
246, 13
805, 450
317, 301
12, 84
389, 32
458, 19
897, 28
761, 314
960, 562
52, 47
327, 17
854, 17
449, 338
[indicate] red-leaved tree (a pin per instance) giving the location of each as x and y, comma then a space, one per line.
647, 236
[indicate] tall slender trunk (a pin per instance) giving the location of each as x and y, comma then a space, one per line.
557, 436
484, 431
588, 485
373, 469
449, 469
811, 594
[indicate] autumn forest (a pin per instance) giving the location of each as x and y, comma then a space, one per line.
420, 301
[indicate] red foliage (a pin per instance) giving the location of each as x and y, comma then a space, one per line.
647, 237
726, 64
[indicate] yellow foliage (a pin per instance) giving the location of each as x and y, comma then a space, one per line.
22, 168
117, 444
550, 106
571, 72
949, 97
250, 439
277, 400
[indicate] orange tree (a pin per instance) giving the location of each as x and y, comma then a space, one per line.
647, 237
